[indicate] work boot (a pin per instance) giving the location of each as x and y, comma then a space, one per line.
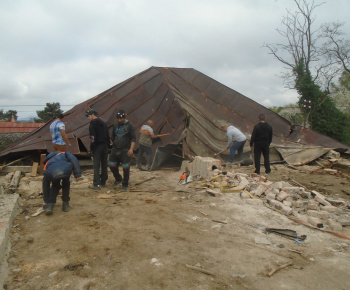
124, 188
145, 168
116, 183
65, 206
49, 209
95, 187
138, 166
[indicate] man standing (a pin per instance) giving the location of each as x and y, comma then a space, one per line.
145, 143
58, 133
261, 140
99, 142
124, 139
58, 167
236, 140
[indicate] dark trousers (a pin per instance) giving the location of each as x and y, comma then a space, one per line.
120, 157
51, 187
100, 156
264, 148
148, 151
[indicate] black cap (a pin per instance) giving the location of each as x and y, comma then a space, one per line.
91, 112
121, 114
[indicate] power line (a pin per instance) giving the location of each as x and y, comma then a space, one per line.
32, 105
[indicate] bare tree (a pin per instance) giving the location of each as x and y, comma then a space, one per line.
300, 42
336, 49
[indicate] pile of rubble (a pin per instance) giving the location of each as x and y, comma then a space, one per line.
288, 198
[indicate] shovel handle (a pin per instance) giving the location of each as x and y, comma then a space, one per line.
220, 152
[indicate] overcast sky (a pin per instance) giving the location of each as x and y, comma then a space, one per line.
68, 51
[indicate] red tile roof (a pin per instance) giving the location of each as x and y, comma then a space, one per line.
14, 127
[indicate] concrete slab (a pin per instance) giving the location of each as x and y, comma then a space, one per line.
9, 204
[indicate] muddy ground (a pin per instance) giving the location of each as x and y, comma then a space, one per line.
148, 237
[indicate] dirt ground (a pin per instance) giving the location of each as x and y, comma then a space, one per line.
150, 236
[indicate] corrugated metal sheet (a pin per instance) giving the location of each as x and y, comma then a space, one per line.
183, 102
14, 127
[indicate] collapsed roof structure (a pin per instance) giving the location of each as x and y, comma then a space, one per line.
190, 107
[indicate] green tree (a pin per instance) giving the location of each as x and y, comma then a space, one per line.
50, 111
319, 108
7, 115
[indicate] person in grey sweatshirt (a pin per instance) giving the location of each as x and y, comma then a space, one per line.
235, 141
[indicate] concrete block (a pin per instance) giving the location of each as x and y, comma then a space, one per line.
286, 209
267, 183
329, 208
276, 185
286, 184
343, 220
313, 205
316, 222
242, 184
306, 194
318, 214
282, 195
300, 203
275, 203
260, 190
334, 225
336, 202
202, 166
270, 195
292, 189
321, 200
315, 193
244, 195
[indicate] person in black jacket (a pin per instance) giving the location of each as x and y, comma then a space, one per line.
99, 142
124, 139
261, 140
58, 166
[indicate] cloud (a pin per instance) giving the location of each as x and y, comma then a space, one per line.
71, 50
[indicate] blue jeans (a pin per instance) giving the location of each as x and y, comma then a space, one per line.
237, 146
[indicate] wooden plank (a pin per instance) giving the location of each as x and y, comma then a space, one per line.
34, 169
41, 169
15, 179
24, 169
3, 166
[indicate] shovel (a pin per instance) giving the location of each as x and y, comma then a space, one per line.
215, 154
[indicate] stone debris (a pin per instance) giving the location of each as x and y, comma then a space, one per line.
310, 206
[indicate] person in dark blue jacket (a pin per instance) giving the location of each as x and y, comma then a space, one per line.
58, 166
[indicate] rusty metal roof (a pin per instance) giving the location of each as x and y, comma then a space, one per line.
181, 101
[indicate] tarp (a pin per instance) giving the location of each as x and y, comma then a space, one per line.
188, 105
